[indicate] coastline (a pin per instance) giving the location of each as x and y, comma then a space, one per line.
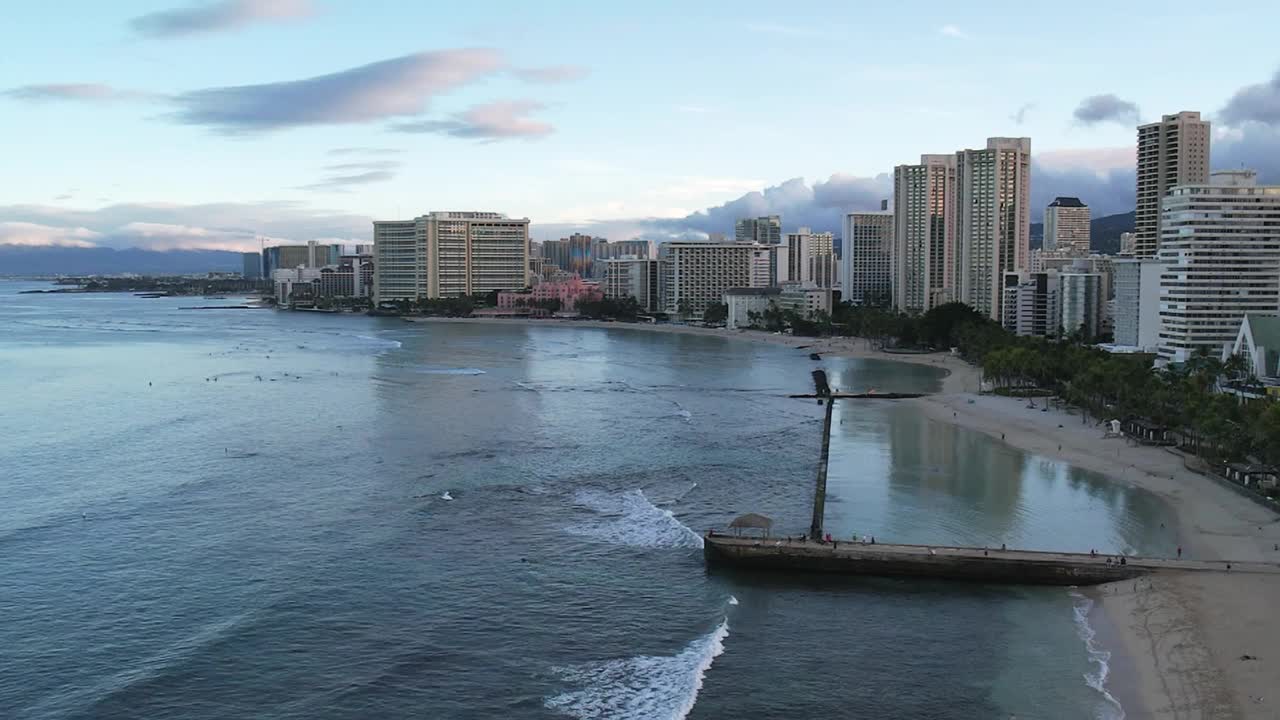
1182, 637
1178, 639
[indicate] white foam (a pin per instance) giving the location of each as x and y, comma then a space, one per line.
629, 518
733, 600
1110, 708
446, 496
432, 370
645, 687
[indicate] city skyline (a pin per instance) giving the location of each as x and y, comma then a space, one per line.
170, 125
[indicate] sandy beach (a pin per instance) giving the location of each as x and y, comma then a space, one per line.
1199, 645
1190, 639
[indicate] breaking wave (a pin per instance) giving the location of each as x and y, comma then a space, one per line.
1110, 709
629, 518
645, 687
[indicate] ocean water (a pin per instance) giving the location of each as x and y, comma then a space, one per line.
250, 513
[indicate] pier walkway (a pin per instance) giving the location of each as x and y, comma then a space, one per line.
1025, 567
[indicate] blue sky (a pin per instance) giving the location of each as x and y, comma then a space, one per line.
168, 124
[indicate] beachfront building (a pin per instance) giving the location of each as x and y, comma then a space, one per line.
804, 300
746, 303
1172, 152
866, 276
1135, 311
923, 258
399, 256
1220, 260
567, 294
699, 273
296, 285
1030, 305
450, 254
641, 278
1066, 226
765, 230
993, 220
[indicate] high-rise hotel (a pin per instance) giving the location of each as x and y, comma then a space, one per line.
1172, 152
1219, 260
449, 254
923, 262
993, 220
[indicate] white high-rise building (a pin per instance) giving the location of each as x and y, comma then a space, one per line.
1220, 257
764, 266
1136, 309
867, 273
993, 219
923, 259
642, 278
1172, 152
699, 273
451, 254
1066, 226
399, 261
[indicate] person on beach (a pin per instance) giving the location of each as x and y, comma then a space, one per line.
1179, 552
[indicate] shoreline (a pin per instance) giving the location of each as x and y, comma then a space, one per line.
959, 376
1176, 641
1179, 638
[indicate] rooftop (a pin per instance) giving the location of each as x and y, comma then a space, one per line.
1067, 202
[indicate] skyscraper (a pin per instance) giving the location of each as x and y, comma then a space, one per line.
822, 264
923, 260
399, 261
1066, 226
765, 230
1220, 259
867, 273
1172, 152
993, 220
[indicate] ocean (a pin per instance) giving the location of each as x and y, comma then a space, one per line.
252, 513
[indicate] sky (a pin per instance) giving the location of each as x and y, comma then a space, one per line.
167, 124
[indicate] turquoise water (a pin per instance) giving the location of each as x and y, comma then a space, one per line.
243, 513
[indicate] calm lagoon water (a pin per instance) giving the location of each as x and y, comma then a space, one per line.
243, 513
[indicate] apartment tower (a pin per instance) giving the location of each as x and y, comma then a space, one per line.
993, 220
923, 259
450, 254
1172, 152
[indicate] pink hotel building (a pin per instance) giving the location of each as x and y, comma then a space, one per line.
568, 292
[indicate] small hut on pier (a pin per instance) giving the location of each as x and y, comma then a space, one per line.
751, 521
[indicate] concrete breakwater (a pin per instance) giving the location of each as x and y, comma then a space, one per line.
1021, 567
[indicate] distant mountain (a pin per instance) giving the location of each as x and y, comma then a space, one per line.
28, 260
1104, 233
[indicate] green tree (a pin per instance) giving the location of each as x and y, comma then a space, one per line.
716, 313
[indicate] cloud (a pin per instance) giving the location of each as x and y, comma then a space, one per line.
217, 16
341, 182
79, 92
552, 74
1258, 103
1106, 108
35, 234
953, 32
364, 165
505, 120
162, 226
365, 151
1019, 116
377, 91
